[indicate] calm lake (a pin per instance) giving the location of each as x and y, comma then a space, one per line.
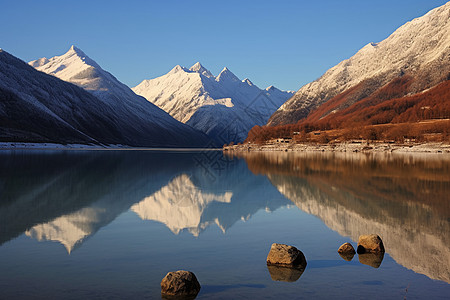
111, 224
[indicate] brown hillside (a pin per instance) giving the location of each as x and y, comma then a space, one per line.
387, 105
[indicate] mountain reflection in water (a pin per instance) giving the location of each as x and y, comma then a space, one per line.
403, 198
68, 196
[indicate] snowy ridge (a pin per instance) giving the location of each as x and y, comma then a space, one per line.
138, 116
419, 44
210, 104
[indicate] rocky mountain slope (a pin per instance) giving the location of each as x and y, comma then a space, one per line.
420, 49
224, 107
109, 109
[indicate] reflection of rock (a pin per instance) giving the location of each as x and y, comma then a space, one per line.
179, 205
346, 256
180, 284
403, 198
278, 273
287, 256
346, 251
370, 243
371, 259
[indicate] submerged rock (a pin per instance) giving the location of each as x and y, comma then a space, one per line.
286, 256
180, 284
371, 259
286, 274
371, 243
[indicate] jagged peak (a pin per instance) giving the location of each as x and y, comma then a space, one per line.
177, 69
74, 49
226, 74
198, 68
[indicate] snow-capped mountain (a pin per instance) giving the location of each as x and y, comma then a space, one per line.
222, 106
420, 49
128, 117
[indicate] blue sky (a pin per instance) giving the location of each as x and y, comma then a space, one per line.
284, 43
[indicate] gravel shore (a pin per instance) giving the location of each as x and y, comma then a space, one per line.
345, 147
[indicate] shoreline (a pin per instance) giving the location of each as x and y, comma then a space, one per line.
8, 146
359, 146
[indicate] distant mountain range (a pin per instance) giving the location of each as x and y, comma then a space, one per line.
404, 78
36, 107
224, 107
414, 59
133, 120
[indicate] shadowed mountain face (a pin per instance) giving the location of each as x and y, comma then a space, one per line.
36, 107
68, 196
404, 199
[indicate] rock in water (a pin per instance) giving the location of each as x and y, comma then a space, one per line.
180, 283
346, 251
346, 248
371, 243
286, 256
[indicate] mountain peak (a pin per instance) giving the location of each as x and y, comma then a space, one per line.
177, 69
418, 48
198, 68
74, 49
226, 75
75, 54
247, 81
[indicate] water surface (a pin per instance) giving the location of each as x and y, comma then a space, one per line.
111, 224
